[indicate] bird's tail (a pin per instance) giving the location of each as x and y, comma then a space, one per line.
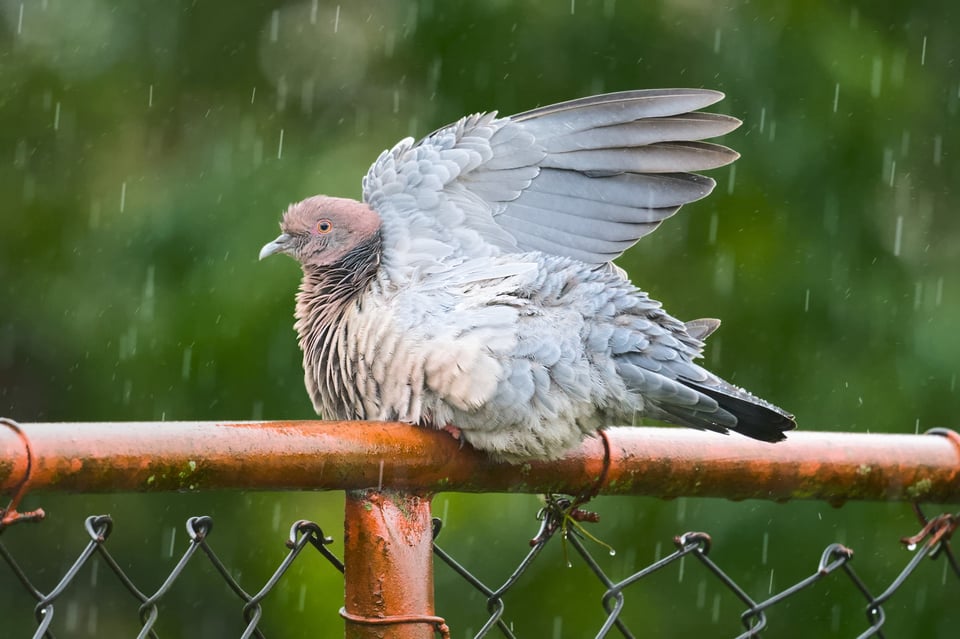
755, 417
708, 403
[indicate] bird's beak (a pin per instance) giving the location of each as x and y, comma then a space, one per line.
279, 245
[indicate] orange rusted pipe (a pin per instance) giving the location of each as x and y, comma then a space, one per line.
664, 462
388, 566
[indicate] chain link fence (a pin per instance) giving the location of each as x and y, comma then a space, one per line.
555, 526
55, 568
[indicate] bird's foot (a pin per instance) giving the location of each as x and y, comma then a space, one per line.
564, 514
455, 432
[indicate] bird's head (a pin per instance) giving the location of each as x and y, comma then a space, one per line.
321, 231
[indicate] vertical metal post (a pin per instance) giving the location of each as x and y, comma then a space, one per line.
388, 566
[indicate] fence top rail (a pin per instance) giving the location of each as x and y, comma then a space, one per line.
322, 455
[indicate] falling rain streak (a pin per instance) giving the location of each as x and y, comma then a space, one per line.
274, 25
123, 196
185, 365
898, 236
876, 77
280, 146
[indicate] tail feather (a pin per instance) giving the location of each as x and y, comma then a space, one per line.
755, 417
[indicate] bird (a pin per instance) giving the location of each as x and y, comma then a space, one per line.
473, 289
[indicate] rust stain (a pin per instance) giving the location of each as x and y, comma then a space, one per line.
388, 550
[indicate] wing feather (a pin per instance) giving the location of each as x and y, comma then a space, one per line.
583, 179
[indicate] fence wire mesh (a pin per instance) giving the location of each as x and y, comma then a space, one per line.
557, 520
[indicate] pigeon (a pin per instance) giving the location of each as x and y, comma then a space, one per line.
473, 290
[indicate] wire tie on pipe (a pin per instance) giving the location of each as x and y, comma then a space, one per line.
439, 623
10, 515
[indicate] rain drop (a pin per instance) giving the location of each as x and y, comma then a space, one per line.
185, 365
280, 146
281, 93
609, 8
923, 52
274, 25
613, 552
836, 96
876, 77
92, 621
911, 547
73, 615
898, 236
275, 521
336, 20
148, 294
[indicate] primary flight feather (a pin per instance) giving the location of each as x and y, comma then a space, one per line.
473, 287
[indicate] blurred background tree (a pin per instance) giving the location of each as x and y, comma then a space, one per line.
150, 148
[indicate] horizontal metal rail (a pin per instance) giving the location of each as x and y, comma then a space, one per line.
662, 462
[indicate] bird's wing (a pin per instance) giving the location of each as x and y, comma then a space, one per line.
584, 179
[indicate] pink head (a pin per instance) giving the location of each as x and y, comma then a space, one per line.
320, 231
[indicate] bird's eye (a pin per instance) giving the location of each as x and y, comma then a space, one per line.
324, 226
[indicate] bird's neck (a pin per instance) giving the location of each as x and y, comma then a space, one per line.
326, 295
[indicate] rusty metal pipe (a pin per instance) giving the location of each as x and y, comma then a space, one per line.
662, 462
388, 566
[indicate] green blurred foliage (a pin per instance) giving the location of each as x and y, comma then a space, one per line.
150, 147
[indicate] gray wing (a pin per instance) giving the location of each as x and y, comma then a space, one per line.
584, 179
